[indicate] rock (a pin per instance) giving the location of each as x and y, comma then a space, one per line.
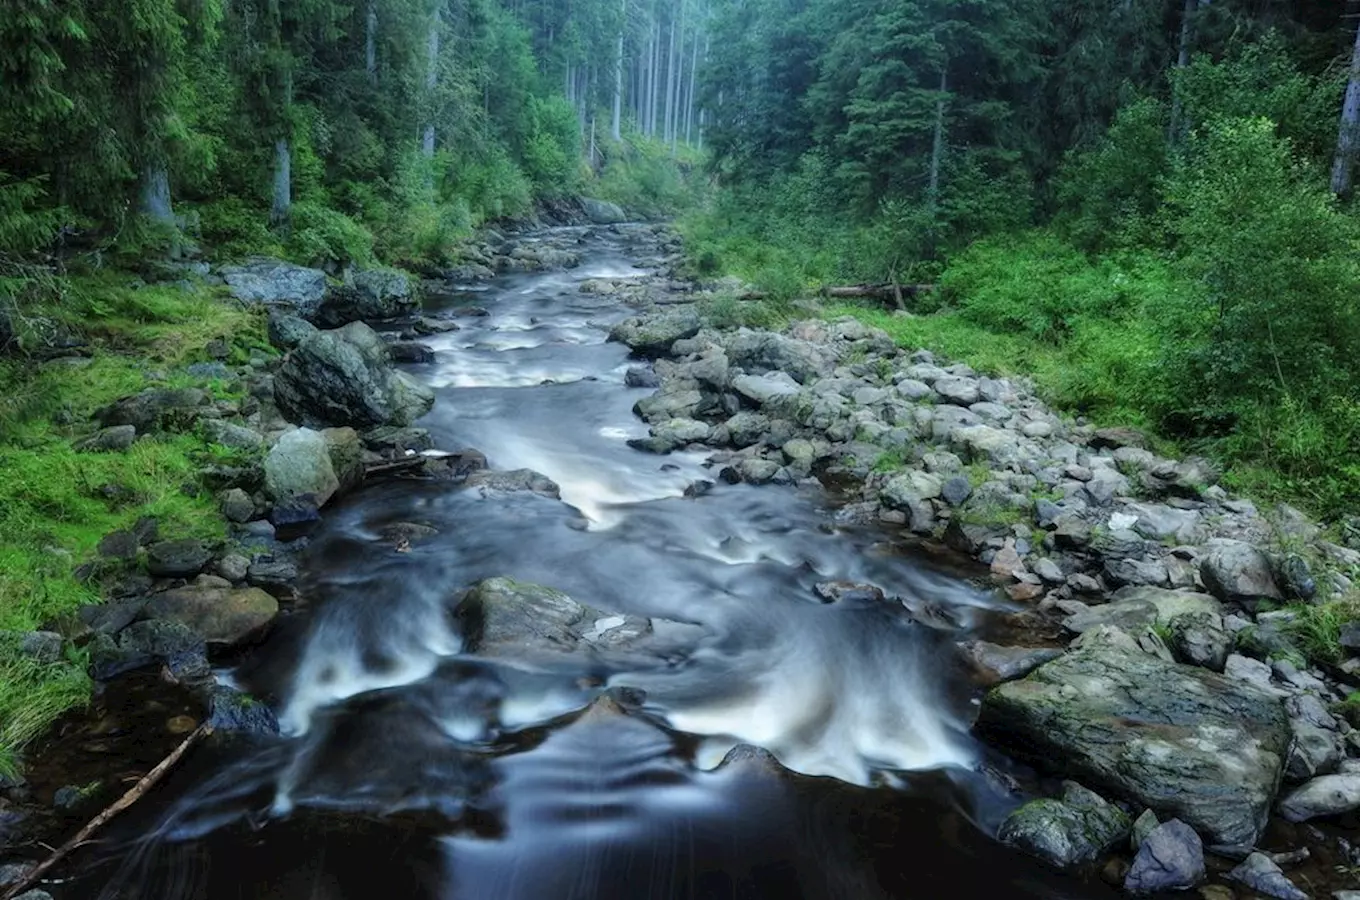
849, 592
1170, 858
672, 435
956, 490
143, 643
1136, 572
759, 352
1260, 873
293, 517
286, 332
1297, 577
995, 664
1236, 571
1047, 570
42, 647
232, 712
372, 294
652, 335
1199, 639
300, 465
1105, 485
220, 615
177, 559
403, 534
427, 325
1114, 438
346, 452
273, 281
1186, 742
958, 391
389, 439
270, 573
602, 212
35, 894
1316, 751
156, 409
757, 471
233, 436
345, 377
763, 390
410, 352
1142, 827
669, 403
119, 545
119, 437
1078, 829
641, 377
1327, 795
514, 481
1135, 609
503, 617
233, 567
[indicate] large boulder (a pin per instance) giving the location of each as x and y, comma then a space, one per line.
602, 212
156, 409
300, 464
1135, 609
1328, 795
1078, 829
345, 377
652, 335
506, 618
370, 295
1237, 571
220, 615
274, 282
1184, 741
762, 351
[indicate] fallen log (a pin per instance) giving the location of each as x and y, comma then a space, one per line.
886, 291
134, 794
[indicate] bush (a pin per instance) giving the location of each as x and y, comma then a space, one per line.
321, 236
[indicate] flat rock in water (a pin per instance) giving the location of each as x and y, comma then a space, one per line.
1170, 858
1186, 742
995, 664
506, 618
221, 615
1078, 829
513, 481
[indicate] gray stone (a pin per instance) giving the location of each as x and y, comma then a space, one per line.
995, 664
346, 451
232, 567
1136, 609
913, 390
958, 391
1316, 751
513, 481
411, 352
41, 646
669, 403
231, 712
1236, 571
653, 334
286, 332
672, 435
1106, 484
221, 615
757, 471
602, 212
1199, 639
1142, 827
177, 559
762, 351
140, 643
233, 436
956, 490
991, 412
156, 409
1047, 570
747, 428
119, 437
1136, 572
1183, 741
1326, 795
271, 574
1078, 829
273, 281
1170, 858
371, 294
345, 377
300, 464
1260, 873
769, 389
641, 377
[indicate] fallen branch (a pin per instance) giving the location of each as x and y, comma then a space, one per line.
400, 465
888, 291
134, 794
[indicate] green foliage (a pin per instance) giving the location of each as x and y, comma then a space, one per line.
1317, 629
321, 236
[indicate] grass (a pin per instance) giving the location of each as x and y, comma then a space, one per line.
1317, 629
56, 502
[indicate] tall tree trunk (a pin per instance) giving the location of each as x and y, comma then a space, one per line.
1344, 164
666, 125
156, 195
371, 42
280, 211
689, 102
1182, 60
937, 145
431, 82
615, 125
655, 102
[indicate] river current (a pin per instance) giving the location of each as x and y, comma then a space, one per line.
411, 769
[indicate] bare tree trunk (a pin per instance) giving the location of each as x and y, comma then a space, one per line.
371, 42
670, 84
280, 211
655, 102
937, 145
689, 103
156, 195
615, 126
1344, 164
431, 82
1182, 60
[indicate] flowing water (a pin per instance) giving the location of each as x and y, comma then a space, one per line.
411, 769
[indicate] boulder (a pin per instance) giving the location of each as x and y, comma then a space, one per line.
1199, 639
652, 335
273, 281
236, 505
758, 352
235, 437
346, 452
300, 465
1261, 874
501, 617
1186, 742
221, 615
1327, 795
1135, 609
345, 377
602, 212
231, 712
766, 390
287, 331
1073, 831
156, 409
1170, 858
177, 559
410, 352
672, 435
1238, 572
118, 437
155, 641
956, 390
372, 294
513, 481
995, 664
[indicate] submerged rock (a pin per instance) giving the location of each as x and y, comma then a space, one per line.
1078, 829
513, 481
1184, 741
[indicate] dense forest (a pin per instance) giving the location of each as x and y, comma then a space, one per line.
1135, 201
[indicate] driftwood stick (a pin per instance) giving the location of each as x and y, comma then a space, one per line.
134, 794
399, 465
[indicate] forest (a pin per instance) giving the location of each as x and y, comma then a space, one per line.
1146, 206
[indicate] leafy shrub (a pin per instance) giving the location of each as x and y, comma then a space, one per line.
321, 235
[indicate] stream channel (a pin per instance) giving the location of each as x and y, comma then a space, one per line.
409, 769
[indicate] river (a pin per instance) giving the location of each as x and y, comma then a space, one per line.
411, 769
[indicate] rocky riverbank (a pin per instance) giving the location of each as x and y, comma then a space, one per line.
1193, 715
